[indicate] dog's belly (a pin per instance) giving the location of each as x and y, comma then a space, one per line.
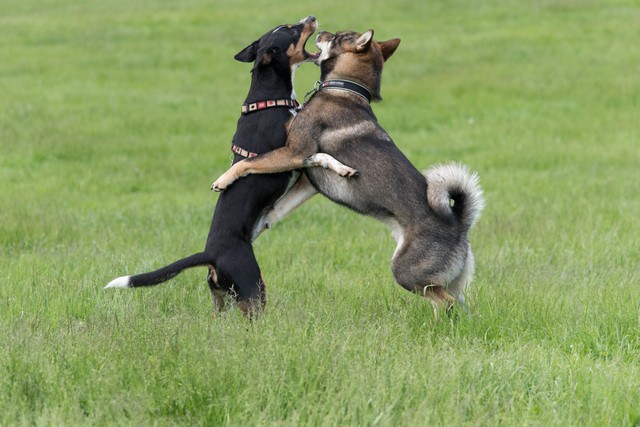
372, 197
337, 188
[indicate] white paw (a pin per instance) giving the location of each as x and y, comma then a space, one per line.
347, 171
219, 185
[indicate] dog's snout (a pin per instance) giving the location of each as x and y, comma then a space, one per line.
308, 19
324, 36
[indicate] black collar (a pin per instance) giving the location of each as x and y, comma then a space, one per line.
341, 85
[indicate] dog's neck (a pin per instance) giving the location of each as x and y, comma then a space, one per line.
347, 86
370, 81
266, 84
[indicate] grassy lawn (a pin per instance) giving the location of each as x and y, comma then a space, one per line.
115, 117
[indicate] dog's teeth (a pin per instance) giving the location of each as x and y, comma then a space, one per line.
120, 282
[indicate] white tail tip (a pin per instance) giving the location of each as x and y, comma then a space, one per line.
448, 178
120, 282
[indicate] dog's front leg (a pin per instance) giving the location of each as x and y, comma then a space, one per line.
329, 162
229, 177
280, 160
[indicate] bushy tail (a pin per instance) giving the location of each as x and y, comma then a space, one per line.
161, 275
453, 181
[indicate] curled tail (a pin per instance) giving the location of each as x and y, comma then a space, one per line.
162, 274
453, 181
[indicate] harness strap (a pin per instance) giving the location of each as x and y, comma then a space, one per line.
261, 105
242, 152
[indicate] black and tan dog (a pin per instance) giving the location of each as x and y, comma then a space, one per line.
430, 215
270, 103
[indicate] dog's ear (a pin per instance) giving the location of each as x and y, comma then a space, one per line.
364, 41
270, 55
249, 53
389, 47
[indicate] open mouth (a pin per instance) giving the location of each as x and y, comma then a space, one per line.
310, 23
313, 56
308, 55
321, 46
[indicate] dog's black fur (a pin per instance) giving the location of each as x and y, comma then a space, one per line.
228, 252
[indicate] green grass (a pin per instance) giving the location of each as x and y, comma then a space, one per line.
115, 117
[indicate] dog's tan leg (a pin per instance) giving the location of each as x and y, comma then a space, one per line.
329, 162
252, 307
218, 296
440, 299
280, 160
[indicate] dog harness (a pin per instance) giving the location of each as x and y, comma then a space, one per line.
347, 85
261, 105
241, 151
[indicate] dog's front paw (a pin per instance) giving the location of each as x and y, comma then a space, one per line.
220, 184
225, 180
347, 171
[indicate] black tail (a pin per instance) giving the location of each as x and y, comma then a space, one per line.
162, 274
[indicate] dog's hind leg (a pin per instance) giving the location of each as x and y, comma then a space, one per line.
301, 191
218, 295
415, 272
439, 297
252, 306
240, 271
461, 283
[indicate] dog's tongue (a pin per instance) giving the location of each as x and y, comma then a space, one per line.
314, 55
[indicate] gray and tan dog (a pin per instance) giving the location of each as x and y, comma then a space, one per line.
430, 215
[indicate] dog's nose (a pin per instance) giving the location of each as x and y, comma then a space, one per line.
311, 18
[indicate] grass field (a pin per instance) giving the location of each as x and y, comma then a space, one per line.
115, 117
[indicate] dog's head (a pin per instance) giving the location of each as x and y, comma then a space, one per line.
353, 56
281, 47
